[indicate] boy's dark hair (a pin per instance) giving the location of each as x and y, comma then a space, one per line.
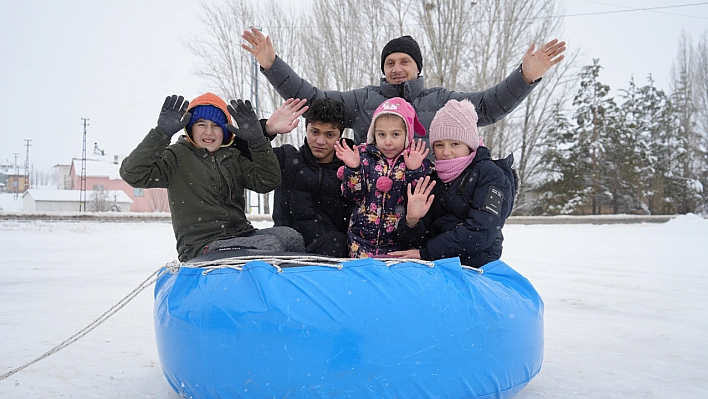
326, 110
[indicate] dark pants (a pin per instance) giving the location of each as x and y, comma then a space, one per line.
331, 244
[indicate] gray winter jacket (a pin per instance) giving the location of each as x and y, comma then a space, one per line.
491, 105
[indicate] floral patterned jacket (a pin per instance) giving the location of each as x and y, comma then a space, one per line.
379, 189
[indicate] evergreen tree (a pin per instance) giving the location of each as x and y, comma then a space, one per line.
564, 189
700, 92
683, 143
621, 162
594, 116
655, 115
643, 113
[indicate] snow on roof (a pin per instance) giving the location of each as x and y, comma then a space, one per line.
101, 166
73, 195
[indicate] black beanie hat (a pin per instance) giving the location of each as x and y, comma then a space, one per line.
403, 44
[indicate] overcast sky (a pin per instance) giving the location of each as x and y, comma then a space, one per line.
114, 62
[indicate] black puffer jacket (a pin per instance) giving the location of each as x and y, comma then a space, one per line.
467, 215
310, 197
491, 105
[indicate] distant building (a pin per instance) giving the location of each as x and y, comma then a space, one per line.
63, 173
102, 174
69, 201
4, 171
16, 183
13, 179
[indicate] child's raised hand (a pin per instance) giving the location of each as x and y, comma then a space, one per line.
286, 117
415, 155
419, 200
249, 128
173, 116
350, 156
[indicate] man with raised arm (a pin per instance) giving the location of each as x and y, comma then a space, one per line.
402, 63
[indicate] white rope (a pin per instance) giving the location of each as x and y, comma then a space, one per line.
239, 261
110, 312
174, 266
476, 269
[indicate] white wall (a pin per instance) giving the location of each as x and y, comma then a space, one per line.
30, 205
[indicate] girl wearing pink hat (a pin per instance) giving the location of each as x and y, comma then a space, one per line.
461, 212
375, 176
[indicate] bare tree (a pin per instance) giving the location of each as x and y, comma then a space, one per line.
158, 200
230, 70
447, 36
472, 46
503, 31
398, 15
285, 30
224, 65
336, 51
99, 201
336, 45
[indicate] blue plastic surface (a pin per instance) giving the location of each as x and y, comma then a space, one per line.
367, 330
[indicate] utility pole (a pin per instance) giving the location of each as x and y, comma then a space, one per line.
27, 163
82, 193
256, 107
254, 83
16, 183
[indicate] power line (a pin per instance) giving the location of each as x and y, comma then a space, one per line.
528, 18
637, 9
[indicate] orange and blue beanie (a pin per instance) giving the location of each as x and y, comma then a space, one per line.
210, 107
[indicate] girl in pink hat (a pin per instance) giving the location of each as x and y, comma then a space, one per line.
461, 212
375, 176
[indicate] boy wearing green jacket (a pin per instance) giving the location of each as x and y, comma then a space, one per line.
205, 175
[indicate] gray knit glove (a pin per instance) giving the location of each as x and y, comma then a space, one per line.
249, 127
173, 116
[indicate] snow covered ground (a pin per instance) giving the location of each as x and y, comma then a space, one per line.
626, 307
9, 203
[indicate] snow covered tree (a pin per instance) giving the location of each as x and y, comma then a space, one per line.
628, 153
620, 165
564, 190
594, 116
645, 112
686, 159
594, 165
700, 95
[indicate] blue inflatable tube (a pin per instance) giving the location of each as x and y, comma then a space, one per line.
364, 330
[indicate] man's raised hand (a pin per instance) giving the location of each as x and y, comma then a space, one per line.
537, 62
